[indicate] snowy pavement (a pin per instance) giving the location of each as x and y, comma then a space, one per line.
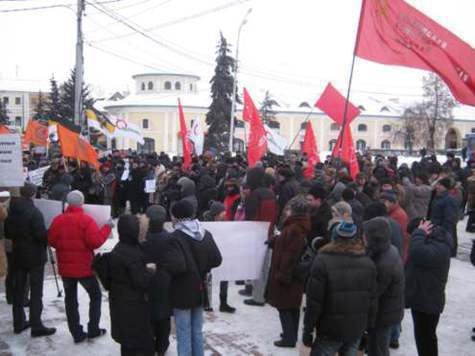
252, 330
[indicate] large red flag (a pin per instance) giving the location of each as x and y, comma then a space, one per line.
348, 154
74, 146
257, 145
310, 148
393, 32
332, 103
36, 133
184, 138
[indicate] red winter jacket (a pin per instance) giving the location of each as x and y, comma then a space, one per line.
75, 235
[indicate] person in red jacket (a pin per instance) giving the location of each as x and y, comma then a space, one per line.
75, 235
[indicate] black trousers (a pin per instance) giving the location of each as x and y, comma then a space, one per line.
425, 326
124, 351
223, 292
36, 276
161, 333
289, 319
92, 288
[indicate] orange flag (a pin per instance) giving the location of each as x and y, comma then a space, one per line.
4, 130
74, 146
36, 133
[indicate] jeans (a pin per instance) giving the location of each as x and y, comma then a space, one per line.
36, 275
259, 286
425, 326
189, 331
395, 332
326, 347
378, 341
289, 319
92, 288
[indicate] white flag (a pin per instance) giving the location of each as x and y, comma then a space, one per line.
113, 127
276, 143
196, 136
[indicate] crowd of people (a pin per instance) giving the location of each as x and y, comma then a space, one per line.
352, 253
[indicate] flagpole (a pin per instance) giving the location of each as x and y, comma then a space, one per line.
350, 82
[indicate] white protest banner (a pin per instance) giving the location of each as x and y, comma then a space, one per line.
11, 163
150, 186
36, 177
242, 245
100, 213
49, 208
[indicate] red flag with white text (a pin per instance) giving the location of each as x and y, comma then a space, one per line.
257, 145
395, 33
184, 137
309, 147
332, 103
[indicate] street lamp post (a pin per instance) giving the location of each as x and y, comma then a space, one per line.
233, 102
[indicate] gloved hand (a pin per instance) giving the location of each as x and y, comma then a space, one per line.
307, 339
110, 222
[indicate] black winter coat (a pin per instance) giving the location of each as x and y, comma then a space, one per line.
319, 220
129, 307
444, 212
189, 268
26, 228
390, 281
427, 271
288, 189
341, 292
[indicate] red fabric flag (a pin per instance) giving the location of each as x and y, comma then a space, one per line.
4, 130
332, 103
393, 32
74, 146
310, 148
184, 138
36, 133
257, 145
348, 154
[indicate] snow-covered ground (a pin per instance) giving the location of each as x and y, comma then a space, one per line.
252, 330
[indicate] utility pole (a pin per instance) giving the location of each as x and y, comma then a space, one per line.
79, 69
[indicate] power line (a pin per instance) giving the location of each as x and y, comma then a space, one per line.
46, 7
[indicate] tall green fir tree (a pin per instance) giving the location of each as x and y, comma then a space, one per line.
67, 97
267, 109
219, 112
53, 106
41, 109
4, 120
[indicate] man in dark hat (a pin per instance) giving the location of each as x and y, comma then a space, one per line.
26, 228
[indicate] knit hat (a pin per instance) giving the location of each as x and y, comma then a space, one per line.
377, 228
341, 209
28, 190
445, 182
215, 209
182, 209
389, 196
298, 205
75, 198
344, 231
156, 213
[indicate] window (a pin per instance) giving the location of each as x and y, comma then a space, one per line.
17, 100
384, 108
304, 105
274, 124
238, 123
361, 107
387, 128
114, 144
5, 100
143, 86
386, 145
17, 120
150, 85
334, 127
191, 87
361, 145
362, 128
303, 125
473, 129
331, 145
238, 145
145, 123
168, 85
147, 147
177, 86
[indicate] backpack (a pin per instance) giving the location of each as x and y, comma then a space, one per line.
101, 267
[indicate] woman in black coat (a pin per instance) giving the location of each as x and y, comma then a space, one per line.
130, 280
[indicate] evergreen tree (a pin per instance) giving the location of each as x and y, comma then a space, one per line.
53, 106
67, 97
4, 120
219, 112
41, 110
266, 110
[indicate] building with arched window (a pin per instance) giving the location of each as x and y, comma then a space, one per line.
361, 145
385, 145
331, 145
362, 127
150, 86
177, 86
386, 128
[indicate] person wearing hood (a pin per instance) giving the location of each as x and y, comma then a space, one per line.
187, 192
285, 289
130, 281
199, 254
75, 235
390, 284
26, 228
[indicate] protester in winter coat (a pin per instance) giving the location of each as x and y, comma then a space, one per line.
232, 198
288, 187
341, 295
426, 278
60, 190
26, 228
444, 211
390, 283
75, 235
421, 193
320, 213
187, 192
285, 289
471, 201
136, 189
207, 192
130, 281
357, 209
156, 248
4, 202
199, 254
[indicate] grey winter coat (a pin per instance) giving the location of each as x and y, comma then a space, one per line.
420, 198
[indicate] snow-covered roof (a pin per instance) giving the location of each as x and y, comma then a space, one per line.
24, 85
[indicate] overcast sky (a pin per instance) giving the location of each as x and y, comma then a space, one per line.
293, 48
